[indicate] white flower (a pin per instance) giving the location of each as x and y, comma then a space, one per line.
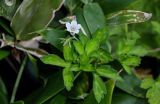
73, 27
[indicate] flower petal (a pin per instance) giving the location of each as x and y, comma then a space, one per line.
74, 23
68, 26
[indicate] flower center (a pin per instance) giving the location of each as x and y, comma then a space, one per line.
73, 28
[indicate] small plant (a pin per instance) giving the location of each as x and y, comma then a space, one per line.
76, 52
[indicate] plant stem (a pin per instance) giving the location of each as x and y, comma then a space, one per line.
18, 80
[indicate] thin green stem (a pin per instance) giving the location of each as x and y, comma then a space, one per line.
18, 80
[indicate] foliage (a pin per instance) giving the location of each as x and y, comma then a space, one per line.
78, 51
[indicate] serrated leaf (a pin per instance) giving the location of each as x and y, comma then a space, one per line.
53, 59
68, 78
130, 60
101, 34
154, 93
147, 83
30, 18
108, 72
93, 20
128, 17
79, 47
68, 52
99, 88
138, 51
91, 46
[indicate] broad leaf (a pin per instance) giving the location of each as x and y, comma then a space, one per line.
7, 8
93, 20
99, 88
53, 59
53, 86
59, 99
53, 37
124, 98
30, 18
110, 6
128, 17
131, 85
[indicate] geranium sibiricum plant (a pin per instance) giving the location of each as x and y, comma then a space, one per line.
74, 52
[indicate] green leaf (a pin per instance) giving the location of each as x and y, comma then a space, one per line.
59, 99
30, 18
75, 67
154, 93
90, 99
5, 25
138, 51
53, 59
53, 86
7, 9
104, 56
110, 88
101, 34
53, 37
99, 88
91, 46
71, 4
87, 67
18, 102
84, 39
155, 26
68, 52
86, 1
131, 85
131, 60
128, 17
68, 78
108, 72
110, 6
147, 83
124, 98
3, 54
79, 47
93, 20
3, 93
84, 59
81, 20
